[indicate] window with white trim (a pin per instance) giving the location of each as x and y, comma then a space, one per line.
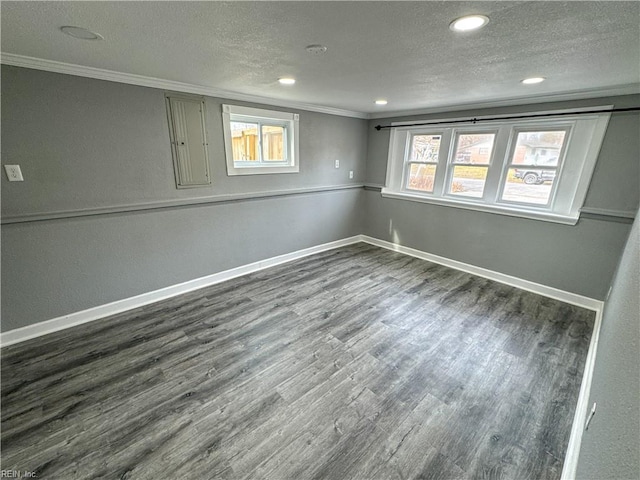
535, 168
259, 141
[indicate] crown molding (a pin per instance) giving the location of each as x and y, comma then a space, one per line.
628, 89
144, 81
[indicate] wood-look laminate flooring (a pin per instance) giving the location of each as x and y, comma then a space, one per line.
353, 363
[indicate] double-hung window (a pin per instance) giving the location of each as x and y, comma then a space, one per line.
423, 161
531, 167
533, 164
259, 141
470, 163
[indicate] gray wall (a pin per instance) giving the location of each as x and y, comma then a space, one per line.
85, 143
52, 268
579, 259
611, 447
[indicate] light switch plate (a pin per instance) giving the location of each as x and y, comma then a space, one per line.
13, 173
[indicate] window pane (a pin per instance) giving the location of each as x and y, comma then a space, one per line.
421, 177
468, 181
245, 141
475, 149
526, 185
425, 148
273, 143
538, 148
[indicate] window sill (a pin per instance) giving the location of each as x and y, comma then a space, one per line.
498, 209
262, 170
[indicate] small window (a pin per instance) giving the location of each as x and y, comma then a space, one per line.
188, 137
531, 167
260, 141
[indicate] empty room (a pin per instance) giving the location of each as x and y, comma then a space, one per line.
320, 240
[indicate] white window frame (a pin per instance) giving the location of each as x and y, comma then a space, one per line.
408, 161
585, 133
290, 123
566, 127
451, 163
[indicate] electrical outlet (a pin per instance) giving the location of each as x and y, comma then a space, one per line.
13, 173
350, 173
337, 163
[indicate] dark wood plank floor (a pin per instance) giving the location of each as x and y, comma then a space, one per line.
353, 363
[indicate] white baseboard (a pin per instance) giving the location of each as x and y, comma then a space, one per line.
77, 318
573, 449
551, 292
570, 464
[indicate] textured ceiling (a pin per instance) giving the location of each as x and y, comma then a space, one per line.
401, 51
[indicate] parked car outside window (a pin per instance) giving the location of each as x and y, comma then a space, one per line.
534, 177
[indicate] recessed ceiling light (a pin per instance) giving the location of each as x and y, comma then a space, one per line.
81, 33
287, 80
316, 49
381, 101
532, 80
468, 23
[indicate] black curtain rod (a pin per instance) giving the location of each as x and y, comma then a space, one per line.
513, 117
